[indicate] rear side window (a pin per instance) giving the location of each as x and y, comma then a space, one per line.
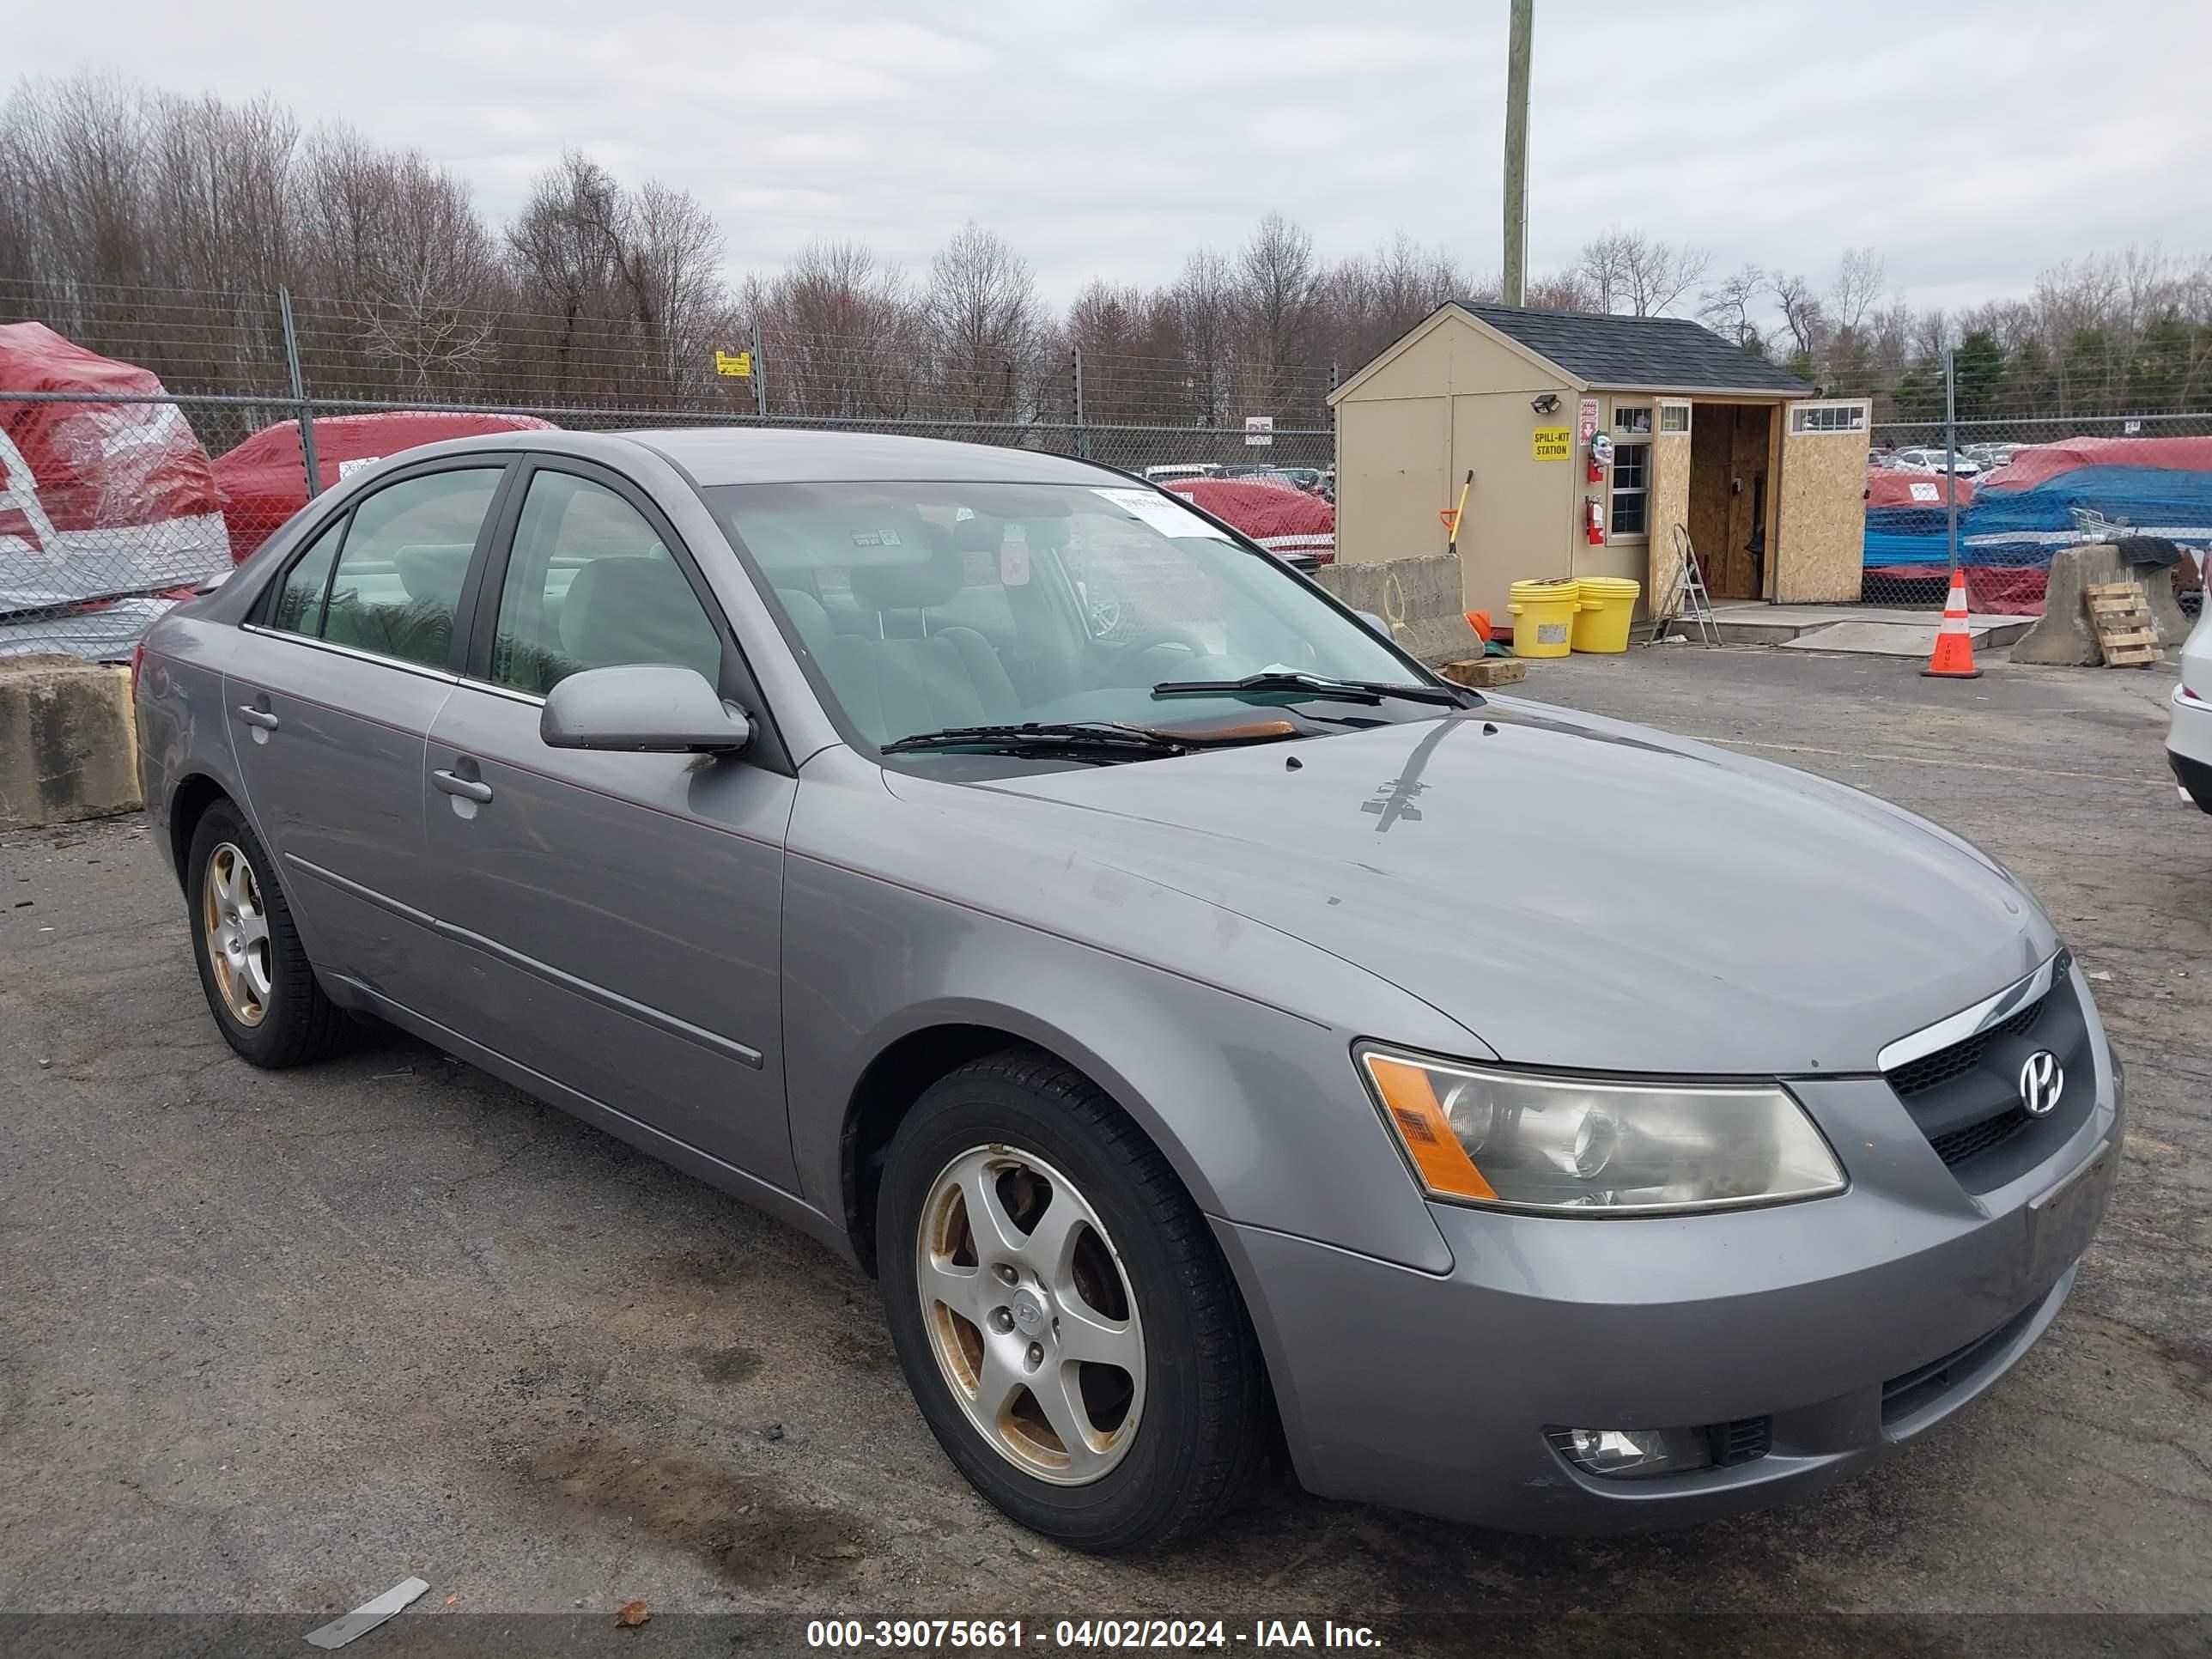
591, 584
397, 579
299, 607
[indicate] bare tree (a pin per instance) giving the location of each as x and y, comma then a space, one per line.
1729, 308
981, 312
1628, 269
1278, 306
1860, 277
1801, 315
1204, 306
841, 334
567, 251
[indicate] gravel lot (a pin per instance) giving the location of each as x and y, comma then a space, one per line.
269, 1344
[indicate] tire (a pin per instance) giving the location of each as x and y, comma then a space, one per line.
296, 1024
1180, 1432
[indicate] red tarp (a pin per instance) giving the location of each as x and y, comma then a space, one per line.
1888, 487
2031, 466
1279, 517
96, 499
2002, 590
264, 481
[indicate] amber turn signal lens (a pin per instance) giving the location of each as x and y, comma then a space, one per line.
1426, 1133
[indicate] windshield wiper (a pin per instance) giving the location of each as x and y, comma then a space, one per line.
1319, 685
1106, 739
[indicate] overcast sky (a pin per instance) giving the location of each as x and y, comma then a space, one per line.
1972, 143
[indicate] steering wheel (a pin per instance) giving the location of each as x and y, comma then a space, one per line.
1152, 638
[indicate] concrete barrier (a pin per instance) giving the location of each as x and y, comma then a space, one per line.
67, 748
2063, 638
1418, 597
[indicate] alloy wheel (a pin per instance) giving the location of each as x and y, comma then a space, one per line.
237, 928
1031, 1315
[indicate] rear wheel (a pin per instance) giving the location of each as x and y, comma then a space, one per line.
260, 985
1065, 1319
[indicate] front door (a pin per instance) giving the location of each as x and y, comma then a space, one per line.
620, 914
330, 698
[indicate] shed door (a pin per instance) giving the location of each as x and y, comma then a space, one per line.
1669, 509
1820, 521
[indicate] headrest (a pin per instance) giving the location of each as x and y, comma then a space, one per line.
431, 572
914, 584
624, 611
807, 615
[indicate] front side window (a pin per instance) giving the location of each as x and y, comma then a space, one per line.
1631, 481
924, 606
1634, 419
591, 584
397, 579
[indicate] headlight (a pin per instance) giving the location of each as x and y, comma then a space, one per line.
1520, 1140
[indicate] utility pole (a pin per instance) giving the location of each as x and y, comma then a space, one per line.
1517, 154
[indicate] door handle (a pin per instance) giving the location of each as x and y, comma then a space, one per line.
453, 783
260, 717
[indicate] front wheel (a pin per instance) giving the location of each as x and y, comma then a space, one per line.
1063, 1315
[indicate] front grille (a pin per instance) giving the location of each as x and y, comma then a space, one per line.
1967, 1099
1991, 1132
1933, 1071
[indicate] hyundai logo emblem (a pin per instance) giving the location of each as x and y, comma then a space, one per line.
2041, 1080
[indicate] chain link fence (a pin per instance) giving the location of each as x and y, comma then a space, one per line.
2025, 486
153, 438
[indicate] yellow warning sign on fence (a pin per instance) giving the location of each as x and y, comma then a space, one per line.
739, 366
1551, 443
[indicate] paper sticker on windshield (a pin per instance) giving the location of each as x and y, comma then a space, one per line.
875, 538
1161, 514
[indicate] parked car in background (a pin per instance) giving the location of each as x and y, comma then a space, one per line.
1306, 479
1961, 465
772, 801
2188, 734
1179, 469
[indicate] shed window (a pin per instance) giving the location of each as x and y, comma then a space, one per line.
1636, 419
1673, 417
1828, 418
1632, 475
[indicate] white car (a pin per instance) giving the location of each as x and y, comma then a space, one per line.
2189, 739
1932, 460
1161, 475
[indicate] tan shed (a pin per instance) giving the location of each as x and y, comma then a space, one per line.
1768, 484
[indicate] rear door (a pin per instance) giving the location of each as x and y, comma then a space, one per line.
621, 914
347, 660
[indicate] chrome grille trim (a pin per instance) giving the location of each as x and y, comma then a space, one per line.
1969, 1022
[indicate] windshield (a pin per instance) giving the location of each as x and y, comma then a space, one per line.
929, 606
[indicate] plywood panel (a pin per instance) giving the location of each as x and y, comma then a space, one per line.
1392, 458
1519, 515
1670, 506
1821, 531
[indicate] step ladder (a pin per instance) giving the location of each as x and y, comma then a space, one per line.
1689, 601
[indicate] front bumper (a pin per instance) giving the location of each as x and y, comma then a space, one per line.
1850, 1323
2188, 747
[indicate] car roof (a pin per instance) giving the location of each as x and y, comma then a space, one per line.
744, 454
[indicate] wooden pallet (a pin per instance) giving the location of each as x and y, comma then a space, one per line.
1487, 670
2120, 612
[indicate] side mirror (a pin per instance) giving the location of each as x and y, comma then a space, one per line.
1376, 622
643, 708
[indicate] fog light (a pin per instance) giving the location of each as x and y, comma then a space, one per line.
1633, 1453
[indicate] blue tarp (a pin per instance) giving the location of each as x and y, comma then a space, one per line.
2025, 527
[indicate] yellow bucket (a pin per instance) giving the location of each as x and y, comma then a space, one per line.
1544, 617
1607, 603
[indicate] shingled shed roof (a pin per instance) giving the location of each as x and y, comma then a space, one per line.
1664, 353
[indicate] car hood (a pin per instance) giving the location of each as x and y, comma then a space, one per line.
1574, 891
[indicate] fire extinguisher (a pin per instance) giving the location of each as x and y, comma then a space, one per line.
1594, 528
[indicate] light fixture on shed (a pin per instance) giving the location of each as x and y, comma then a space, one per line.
1546, 404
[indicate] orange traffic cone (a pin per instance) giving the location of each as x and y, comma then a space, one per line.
1954, 647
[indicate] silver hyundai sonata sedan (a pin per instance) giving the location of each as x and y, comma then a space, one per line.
1203, 1021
